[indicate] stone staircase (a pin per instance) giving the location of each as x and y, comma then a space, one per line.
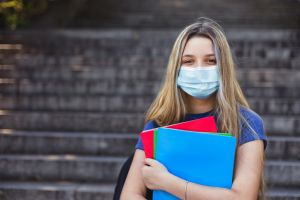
72, 104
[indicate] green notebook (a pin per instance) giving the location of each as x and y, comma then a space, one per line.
155, 141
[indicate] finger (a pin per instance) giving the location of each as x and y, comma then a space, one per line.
150, 161
147, 161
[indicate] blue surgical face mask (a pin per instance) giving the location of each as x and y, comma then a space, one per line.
199, 82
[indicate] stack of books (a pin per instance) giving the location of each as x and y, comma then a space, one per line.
193, 151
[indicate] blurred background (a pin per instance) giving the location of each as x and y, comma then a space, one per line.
76, 77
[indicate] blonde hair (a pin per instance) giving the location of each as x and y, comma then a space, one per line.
169, 105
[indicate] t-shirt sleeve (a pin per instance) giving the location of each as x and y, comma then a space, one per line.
149, 125
252, 128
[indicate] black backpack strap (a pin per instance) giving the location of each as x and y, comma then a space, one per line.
122, 177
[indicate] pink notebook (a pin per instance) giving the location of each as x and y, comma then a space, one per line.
206, 124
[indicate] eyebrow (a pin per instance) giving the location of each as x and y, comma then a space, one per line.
211, 54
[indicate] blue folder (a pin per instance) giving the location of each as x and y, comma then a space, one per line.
199, 157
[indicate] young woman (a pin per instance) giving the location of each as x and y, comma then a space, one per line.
200, 81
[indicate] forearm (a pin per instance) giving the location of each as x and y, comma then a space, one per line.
176, 186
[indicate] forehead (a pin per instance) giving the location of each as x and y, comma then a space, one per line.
198, 46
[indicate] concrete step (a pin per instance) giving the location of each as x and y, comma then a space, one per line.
41, 143
282, 173
114, 122
60, 168
84, 87
60, 62
65, 48
125, 103
92, 103
128, 37
71, 73
283, 193
72, 121
276, 106
130, 87
283, 148
272, 92
247, 76
281, 125
99, 144
75, 73
252, 56
106, 169
78, 191
55, 191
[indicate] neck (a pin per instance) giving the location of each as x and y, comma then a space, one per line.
196, 106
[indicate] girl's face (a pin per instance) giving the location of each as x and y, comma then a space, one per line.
198, 52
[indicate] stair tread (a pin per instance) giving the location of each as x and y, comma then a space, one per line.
56, 157
283, 191
26, 133
68, 134
99, 187
72, 157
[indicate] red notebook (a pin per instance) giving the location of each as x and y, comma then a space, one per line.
206, 124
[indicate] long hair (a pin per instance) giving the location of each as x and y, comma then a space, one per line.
169, 105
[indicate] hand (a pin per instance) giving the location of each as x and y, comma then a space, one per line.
154, 174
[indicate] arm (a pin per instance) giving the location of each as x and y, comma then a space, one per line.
134, 187
248, 169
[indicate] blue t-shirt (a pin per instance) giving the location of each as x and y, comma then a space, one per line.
247, 135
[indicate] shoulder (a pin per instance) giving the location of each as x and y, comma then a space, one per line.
250, 116
150, 125
252, 126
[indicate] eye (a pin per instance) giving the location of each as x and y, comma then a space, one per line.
186, 61
211, 61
